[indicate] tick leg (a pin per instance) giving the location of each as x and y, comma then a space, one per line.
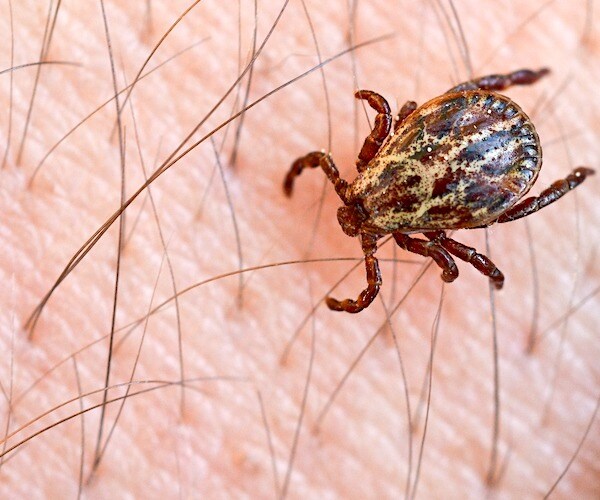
547, 196
381, 129
369, 246
314, 160
429, 249
501, 82
404, 113
480, 262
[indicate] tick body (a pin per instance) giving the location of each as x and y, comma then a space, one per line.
460, 161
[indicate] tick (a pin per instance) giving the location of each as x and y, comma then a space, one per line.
463, 160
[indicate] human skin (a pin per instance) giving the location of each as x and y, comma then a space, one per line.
217, 444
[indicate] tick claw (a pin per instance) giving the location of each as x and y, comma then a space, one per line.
333, 304
288, 185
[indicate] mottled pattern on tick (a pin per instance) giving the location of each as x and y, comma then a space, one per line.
458, 161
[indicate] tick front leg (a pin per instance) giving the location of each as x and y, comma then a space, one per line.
381, 129
404, 113
314, 160
480, 262
547, 196
429, 249
369, 246
501, 82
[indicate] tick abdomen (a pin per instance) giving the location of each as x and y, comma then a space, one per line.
458, 161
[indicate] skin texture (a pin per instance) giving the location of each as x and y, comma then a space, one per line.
217, 445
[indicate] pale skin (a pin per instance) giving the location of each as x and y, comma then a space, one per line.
219, 445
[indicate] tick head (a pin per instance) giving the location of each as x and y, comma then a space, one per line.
351, 218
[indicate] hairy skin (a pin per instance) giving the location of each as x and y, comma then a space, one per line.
219, 446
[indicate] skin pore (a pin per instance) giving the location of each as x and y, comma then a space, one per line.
211, 439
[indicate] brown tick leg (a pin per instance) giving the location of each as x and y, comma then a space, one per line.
480, 262
501, 82
314, 160
404, 113
369, 246
429, 249
381, 129
547, 196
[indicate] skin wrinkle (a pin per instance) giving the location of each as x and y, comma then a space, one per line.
221, 443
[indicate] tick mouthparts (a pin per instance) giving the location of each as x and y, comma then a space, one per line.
351, 219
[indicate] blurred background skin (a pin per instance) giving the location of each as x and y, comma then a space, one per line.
217, 445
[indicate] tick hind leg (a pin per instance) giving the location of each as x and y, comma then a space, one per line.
480, 262
431, 249
549, 195
381, 128
502, 82
369, 246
